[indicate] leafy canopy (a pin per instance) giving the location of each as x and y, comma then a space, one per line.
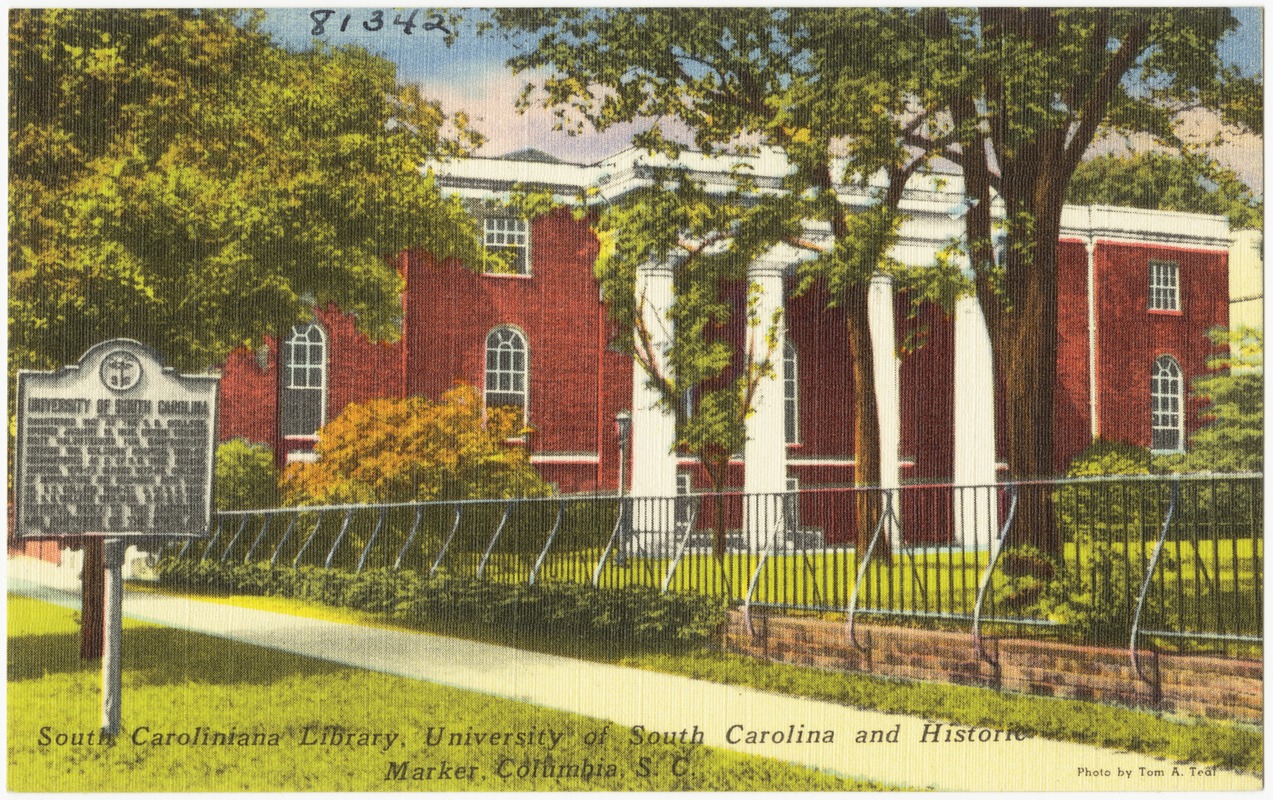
399, 450
703, 377
826, 87
1166, 182
177, 178
1232, 436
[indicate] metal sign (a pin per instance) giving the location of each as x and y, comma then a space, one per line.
116, 445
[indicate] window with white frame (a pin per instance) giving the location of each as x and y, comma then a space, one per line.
791, 391
684, 483
507, 369
1164, 286
1166, 399
507, 241
304, 401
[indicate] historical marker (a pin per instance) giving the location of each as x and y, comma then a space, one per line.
115, 446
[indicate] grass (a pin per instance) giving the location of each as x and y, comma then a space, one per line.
180, 682
1229, 745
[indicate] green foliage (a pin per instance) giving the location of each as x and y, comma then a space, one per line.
709, 241
1015, 97
177, 178
245, 476
1232, 438
636, 615
1094, 594
1103, 457
829, 88
397, 450
1167, 182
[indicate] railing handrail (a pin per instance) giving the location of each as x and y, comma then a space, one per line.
822, 550
1059, 481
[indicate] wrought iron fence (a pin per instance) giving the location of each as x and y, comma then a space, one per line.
1114, 559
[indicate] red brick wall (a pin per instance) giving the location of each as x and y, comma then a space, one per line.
821, 339
1198, 685
1072, 419
247, 404
1132, 337
573, 379
577, 384
357, 369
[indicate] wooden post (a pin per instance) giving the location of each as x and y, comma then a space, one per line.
91, 610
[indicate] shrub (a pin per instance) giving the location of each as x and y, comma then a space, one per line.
635, 615
1111, 525
399, 450
245, 476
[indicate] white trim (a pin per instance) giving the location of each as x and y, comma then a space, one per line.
1094, 419
1178, 395
524, 245
486, 347
822, 462
928, 198
564, 458
285, 353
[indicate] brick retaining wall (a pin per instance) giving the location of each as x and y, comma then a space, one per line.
1199, 685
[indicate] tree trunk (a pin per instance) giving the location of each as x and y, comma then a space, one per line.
93, 598
1023, 338
718, 470
866, 419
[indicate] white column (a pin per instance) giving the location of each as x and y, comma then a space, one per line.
888, 401
976, 510
653, 425
766, 449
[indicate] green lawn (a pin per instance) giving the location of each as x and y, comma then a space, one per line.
179, 682
1230, 745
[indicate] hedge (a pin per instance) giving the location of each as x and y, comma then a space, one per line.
631, 616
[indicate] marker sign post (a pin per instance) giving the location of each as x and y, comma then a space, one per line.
116, 447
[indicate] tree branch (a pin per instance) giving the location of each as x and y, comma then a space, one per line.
1097, 103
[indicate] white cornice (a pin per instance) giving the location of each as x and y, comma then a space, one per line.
932, 201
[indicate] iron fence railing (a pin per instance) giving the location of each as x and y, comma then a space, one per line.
1116, 559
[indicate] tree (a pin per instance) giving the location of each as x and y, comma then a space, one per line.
400, 450
824, 86
177, 178
702, 378
1232, 436
1168, 182
1015, 97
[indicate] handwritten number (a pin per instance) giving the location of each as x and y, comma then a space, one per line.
408, 24
435, 24
320, 17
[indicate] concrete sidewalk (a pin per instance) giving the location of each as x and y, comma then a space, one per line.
661, 702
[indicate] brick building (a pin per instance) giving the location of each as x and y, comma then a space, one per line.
1138, 291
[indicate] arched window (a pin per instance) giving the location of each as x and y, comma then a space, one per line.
507, 369
304, 406
1166, 402
791, 391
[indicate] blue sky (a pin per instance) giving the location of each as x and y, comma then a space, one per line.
470, 75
